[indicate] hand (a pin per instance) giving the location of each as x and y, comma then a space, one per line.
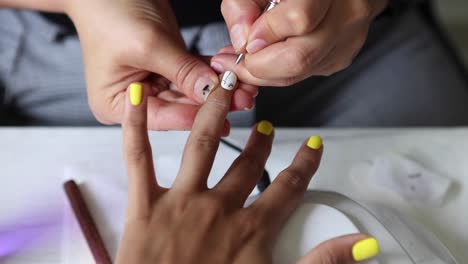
138, 40
190, 223
296, 39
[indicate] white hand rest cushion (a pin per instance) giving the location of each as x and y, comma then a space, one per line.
310, 225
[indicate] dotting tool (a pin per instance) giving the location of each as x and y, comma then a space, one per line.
271, 4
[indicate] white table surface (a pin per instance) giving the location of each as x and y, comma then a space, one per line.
32, 163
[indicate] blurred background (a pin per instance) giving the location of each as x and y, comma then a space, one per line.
454, 16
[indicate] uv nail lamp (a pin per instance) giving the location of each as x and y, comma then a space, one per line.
324, 215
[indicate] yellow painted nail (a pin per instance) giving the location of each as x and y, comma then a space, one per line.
314, 142
265, 127
136, 91
365, 249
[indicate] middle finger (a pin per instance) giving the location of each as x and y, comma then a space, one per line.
203, 142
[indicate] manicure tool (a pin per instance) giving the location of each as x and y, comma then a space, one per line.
271, 4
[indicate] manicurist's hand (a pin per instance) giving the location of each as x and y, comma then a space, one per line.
129, 41
296, 39
190, 223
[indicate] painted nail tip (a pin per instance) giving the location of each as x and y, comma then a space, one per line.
229, 80
365, 249
265, 127
136, 91
314, 142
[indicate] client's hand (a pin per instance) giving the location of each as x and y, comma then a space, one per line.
190, 223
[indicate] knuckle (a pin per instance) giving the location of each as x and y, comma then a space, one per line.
217, 104
298, 61
362, 11
293, 179
251, 161
187, 64
326, 255
342, 65
100, 117
212, 207
337, 67
142, 45
98, 112
301, 20
250, 223
205, 143
137, 153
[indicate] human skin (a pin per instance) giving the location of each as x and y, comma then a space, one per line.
296, 39
129, 41
191, 223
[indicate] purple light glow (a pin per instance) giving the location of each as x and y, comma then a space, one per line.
22, 234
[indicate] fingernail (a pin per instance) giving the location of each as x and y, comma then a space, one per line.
217, 67
265, 127
205, 85
229, 80
256, 45
365, 249
238, 36
136, 91
314, 142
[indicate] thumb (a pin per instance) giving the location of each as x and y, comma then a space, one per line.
192, 76
288, 19
240, 16
342, 250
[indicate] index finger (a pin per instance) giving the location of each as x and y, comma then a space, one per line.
137, 150
203, 142
283, 196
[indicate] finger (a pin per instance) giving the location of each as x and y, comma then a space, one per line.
168, 57
248, 168
242, 101
297, 56
282, 197
294, 59
227, 49
287, 19
137, 150
165, 116
203, 141
243, 96
175, 97
343, 250
239, 16
227, 61
250, 89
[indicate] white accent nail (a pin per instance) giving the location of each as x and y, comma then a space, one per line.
229, 80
